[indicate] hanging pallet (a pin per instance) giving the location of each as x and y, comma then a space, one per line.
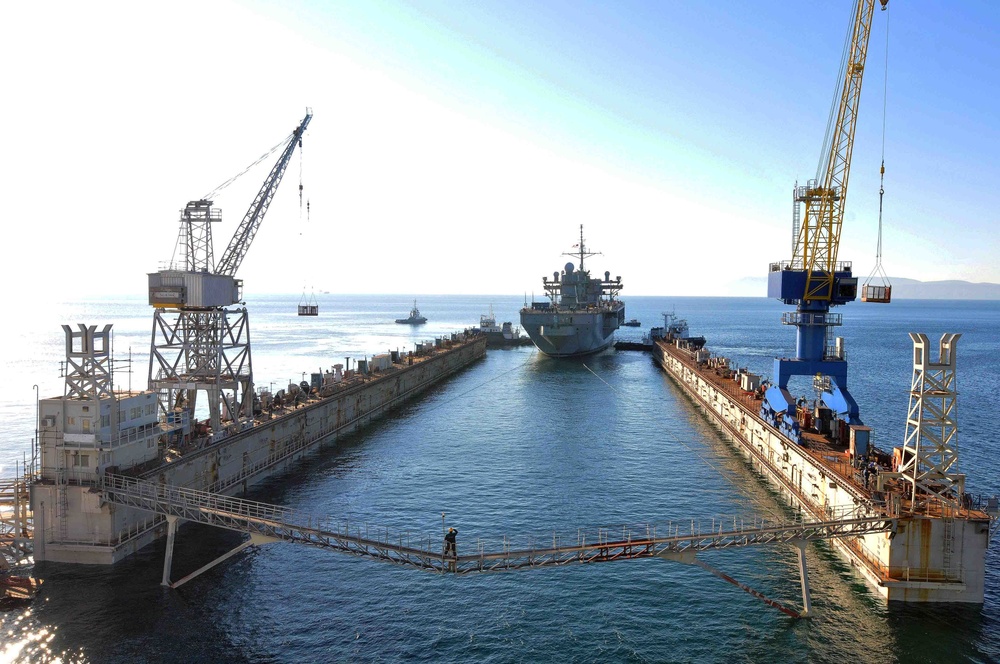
877, 294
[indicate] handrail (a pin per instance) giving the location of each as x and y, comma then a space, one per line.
424, 551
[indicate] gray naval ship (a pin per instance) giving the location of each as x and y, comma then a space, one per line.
582, 313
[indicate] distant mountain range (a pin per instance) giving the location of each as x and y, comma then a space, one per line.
903, 289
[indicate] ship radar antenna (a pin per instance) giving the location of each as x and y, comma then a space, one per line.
582, 253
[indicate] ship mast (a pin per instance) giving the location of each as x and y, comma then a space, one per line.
583, 253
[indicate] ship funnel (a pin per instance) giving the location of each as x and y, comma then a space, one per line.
555, 276
607, 275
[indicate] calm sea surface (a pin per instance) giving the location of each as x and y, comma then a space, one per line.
517, 446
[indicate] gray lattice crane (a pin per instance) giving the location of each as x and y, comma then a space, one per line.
198, 343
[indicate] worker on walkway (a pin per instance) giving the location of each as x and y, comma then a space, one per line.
449, 542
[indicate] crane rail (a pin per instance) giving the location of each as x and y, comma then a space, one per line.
283, 523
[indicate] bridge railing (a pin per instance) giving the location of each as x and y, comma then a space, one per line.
426, 551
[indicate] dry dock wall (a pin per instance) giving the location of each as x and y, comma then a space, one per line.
940, 559
73, 524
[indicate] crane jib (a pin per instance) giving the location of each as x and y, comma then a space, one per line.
243, 237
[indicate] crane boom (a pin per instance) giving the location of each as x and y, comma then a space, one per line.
819, 238
243, 237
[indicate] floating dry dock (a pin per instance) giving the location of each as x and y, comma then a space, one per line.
937, 551
93, 429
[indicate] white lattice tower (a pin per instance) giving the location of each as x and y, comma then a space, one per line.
195, 237
88, 362
930, 449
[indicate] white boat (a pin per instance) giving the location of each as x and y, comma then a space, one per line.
499, 335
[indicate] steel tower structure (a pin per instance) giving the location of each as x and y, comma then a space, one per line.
930, 449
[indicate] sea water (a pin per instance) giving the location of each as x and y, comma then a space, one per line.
519, 447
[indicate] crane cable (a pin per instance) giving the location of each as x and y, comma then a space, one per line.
878, 270
210, 195
311, 299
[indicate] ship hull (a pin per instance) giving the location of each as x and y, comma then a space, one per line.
572, 333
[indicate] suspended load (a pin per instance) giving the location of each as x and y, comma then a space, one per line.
880, 292
308, 307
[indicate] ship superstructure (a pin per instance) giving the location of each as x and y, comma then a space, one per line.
582, 313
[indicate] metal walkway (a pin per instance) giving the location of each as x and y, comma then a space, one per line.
672, 541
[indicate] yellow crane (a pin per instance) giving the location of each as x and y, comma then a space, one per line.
813, 279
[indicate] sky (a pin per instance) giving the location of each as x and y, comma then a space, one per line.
457, 147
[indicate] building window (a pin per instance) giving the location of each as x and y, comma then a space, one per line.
86, 425
150, 409
81, 461
135, 413
105, 421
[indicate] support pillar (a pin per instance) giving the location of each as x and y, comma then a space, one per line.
168, 555
687, 557
804, 578
255, 540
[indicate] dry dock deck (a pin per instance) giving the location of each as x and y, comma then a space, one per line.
831, 455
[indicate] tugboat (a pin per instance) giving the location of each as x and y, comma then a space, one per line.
582, 314
414, 319
634, 322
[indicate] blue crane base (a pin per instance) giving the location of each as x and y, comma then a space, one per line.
789, 286
838, 398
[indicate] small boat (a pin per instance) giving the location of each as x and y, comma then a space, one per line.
17, 589
414, 319
632, 323
499, 335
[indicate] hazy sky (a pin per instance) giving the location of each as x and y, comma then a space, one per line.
457, 146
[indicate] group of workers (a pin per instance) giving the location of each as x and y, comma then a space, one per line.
870, 471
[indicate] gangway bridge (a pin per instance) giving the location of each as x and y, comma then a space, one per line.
678, 541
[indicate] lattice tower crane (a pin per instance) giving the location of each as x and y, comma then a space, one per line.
198, 343
813, 279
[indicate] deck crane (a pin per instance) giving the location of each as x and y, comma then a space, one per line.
198, 342
813, 279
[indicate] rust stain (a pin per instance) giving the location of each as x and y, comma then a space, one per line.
925, 544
